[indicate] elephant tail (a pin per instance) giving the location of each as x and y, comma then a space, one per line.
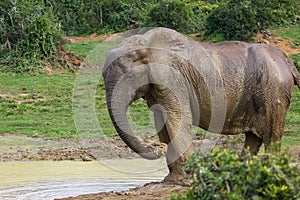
295, 73
298, 81
296, 76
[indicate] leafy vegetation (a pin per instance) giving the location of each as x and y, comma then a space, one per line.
29, 35
31, 31
242, 19
222, 175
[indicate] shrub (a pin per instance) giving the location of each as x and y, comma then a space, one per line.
81, 17
172, 14
29, 35
222, 175
235, 20
181, 15
199, 11
241, 19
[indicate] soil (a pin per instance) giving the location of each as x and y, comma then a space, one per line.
16, 147
93, 37
281, 42
150, 191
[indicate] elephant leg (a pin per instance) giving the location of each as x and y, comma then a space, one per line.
159, 121
175, 171
275, 125
180, 147
161, 127
252, 142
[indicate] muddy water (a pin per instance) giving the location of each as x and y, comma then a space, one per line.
49, 180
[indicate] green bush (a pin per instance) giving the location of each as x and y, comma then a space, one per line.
241, 19
81, 17
181, 15
29, 35
172, 14
222, 175
199, 11
235, 20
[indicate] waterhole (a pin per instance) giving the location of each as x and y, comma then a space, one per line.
49, 180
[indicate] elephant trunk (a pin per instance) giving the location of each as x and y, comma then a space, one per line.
117, 106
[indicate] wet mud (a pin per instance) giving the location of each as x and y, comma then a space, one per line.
109, 151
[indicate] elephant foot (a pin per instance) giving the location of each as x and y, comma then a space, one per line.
175, 177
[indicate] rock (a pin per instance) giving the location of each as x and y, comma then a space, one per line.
86, 159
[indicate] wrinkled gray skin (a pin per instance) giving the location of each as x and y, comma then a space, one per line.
227, 88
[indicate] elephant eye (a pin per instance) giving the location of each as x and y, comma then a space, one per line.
130, 76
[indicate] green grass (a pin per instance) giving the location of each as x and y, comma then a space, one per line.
292, 128
42, 104
82, 49
38, 104
291, 32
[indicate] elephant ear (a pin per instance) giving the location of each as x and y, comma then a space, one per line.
129, 44
164, 39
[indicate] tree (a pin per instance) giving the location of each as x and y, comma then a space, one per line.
172, 14
30, 33
242, 19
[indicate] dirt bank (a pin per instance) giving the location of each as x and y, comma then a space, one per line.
16, 147
150, 191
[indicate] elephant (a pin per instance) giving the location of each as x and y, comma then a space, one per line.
229, 88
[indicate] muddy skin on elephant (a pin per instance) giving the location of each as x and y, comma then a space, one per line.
227, 88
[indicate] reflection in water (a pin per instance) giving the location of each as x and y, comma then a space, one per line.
48, 180
66, 188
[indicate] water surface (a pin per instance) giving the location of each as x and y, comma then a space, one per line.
49, 180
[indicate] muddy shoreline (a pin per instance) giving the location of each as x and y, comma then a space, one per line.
16, 147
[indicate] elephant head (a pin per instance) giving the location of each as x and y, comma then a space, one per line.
128, 76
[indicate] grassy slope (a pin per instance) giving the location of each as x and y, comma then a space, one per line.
291, 33
38, 104
42, 104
